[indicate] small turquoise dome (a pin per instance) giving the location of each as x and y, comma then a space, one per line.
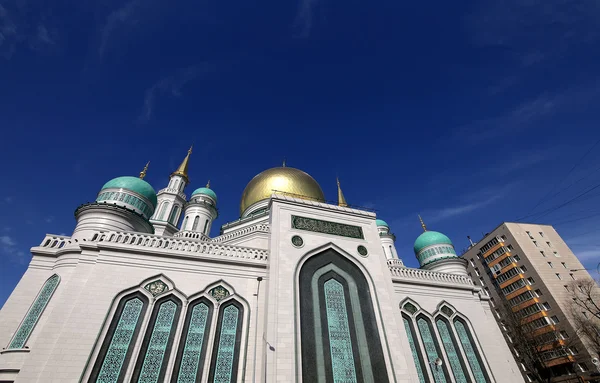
133, 184
380, 222
205, 191
429, 238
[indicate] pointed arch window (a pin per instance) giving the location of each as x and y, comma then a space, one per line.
451, 347
205, 227
415, 350
226, 350
163, 211
117, 347
35, 312
470, 348
432, 349
154, 353
184, 225
195, 225
173, 216
194, 340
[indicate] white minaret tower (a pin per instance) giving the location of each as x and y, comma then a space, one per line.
171, 200
200, 212
387, 239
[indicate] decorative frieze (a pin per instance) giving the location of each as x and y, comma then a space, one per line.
326, 227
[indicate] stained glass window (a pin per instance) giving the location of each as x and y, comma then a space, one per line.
34, 313
430, 350
158, 344
453, 357
342, 359
190, 360
413, 348
224, 362
122, 336
470, 350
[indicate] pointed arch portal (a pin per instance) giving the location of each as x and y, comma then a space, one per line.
339, 334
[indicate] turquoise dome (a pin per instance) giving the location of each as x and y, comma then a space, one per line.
205, 191
429, 238
380, 222
135, 185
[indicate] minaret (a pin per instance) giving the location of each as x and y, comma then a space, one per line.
200, 212
341, 199
387, 239
123, 204
436, 252
171, 200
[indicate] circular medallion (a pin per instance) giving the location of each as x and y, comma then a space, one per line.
362, 250
297, 241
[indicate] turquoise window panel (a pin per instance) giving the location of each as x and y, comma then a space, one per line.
431, 350
469, 348
119, 344
226, 351
453, 357
342, 357
157, 347
190, 360
413, 350
34, 313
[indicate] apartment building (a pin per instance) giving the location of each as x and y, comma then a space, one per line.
528, 268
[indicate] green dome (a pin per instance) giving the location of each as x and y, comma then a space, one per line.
205, 191
135, 185
429, 238
380, 222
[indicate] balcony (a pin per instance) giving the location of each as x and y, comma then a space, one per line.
526, 303
533, 317
518, 292
512, 280
505, 269
550, 346
543, 330
560, 360
492, 249
499, 259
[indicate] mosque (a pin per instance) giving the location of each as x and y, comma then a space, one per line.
297, 289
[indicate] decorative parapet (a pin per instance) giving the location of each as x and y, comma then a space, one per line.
192, 235
405, 274
388, 235
173, 191
184, 246
258, 228
395, 263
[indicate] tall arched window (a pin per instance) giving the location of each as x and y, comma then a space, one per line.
473, 356
195, 225
415, 350
451, 347
205, 227
339, 333
173, 215
35, 312
226, 349
191, 354
117, 347
184, 225
163, 211
154, 353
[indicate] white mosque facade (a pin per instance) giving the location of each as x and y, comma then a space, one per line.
295, 290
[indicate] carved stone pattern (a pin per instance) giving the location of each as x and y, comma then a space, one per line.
193, 345
224, 362
447, 310
326, 227
342, 357
455, 366
117, 350
410, 308
34, 313
430, 350
413, 350
362, 250
469, 350
297, 241
219, 293
156, 287
157, 346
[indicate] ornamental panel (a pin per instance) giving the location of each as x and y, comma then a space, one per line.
342, 358
219, 293
226, 351
454, 359
156, 287
430, 350
413, 350
474, 362
194, 341
34, 313
327, 227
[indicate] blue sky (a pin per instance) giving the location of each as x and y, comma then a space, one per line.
469, 113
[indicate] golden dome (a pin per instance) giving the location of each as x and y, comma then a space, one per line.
282, 179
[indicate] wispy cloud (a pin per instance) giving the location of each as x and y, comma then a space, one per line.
22, 26
122, 16
9, 36
8, 247
8, 199
171, 86
304, 17
5, 240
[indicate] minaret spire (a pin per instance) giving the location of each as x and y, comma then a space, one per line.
208, 184
182, 170
341, 199
422, 223
283, 166
143, 172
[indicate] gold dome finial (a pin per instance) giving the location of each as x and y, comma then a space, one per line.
208, 184
422, 223
182, 170
341, 199
143, 172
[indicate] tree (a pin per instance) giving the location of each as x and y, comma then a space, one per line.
585, 310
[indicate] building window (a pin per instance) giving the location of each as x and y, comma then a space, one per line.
550, 264
195, 224
226, 351
566, 287
516, 257
564, 264
543, 254
451, 347
205, 227
556, 254
572, 276
538, 293
481, 281
554, 319
580, 289
546, 306
432, 348
529, 234
549, 244
541, 234
472, 264
163, 211
35, 312
573, 350
563, 334
174, 215
558, 276
477, 271
523, 269
415, 350
585, 314
473, 356
509, 247
184, 225
535, 243
583, 367
530, 281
